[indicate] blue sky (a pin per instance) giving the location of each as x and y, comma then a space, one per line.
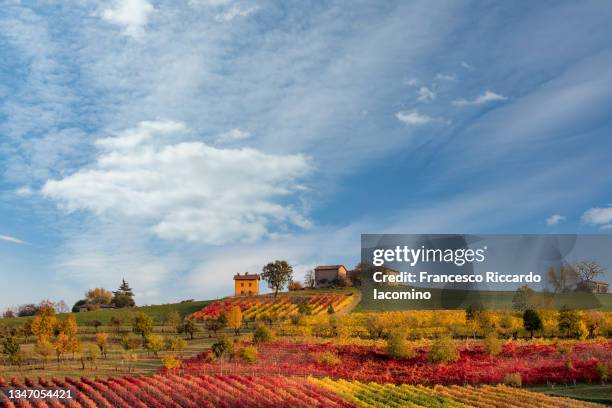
176, 143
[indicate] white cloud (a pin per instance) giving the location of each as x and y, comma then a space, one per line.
488, 96
233, 135
426, 94
445, 77
599, 216
24, 191
413, 118
555, 219
186, 190
466, 65
132, 15
411, 82
13, 240
235, 11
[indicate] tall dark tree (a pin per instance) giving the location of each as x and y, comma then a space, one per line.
532, 321
124, 296
277, 274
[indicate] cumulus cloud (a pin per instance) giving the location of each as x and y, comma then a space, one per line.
132, 15
555, 219
186, 190
488, 96
599, 216
413, 118
233, 135
411, 82
466, 66
235, 11
13, 240
425, 94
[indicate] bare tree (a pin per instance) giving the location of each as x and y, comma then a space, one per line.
588, 270
563, 279
309, 279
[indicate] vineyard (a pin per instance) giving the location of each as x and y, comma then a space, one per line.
536, 364
270, 391
255, 306
389, 395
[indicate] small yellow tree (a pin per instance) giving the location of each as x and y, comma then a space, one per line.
234, 319
102, 342
62, 345
44, 325
44, 349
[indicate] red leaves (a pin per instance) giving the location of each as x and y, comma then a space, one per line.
537, 364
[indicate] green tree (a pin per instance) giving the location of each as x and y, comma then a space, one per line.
277, 274
262, 334
124, 296
397, 346
568, 322
12, 349
532, 321
248, 354
142, 324
223, 347
191, 328
443, 350
214, 324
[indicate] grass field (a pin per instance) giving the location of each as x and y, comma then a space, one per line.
157, 313
587, 392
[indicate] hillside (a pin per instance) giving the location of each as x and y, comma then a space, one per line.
157, 312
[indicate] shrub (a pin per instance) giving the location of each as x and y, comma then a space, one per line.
223, 346
170, 362
492, 345
443, 350
398, 347
305, 309
294, 285
513, 380
328, 358
155, 343
603, 370
330, 309
248, 354
262, 334
130, 342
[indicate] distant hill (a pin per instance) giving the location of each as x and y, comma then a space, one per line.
157, 312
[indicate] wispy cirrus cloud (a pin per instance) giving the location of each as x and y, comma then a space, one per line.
413, 118
14, 240
486, 97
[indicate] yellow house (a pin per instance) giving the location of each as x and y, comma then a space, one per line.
247, 284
